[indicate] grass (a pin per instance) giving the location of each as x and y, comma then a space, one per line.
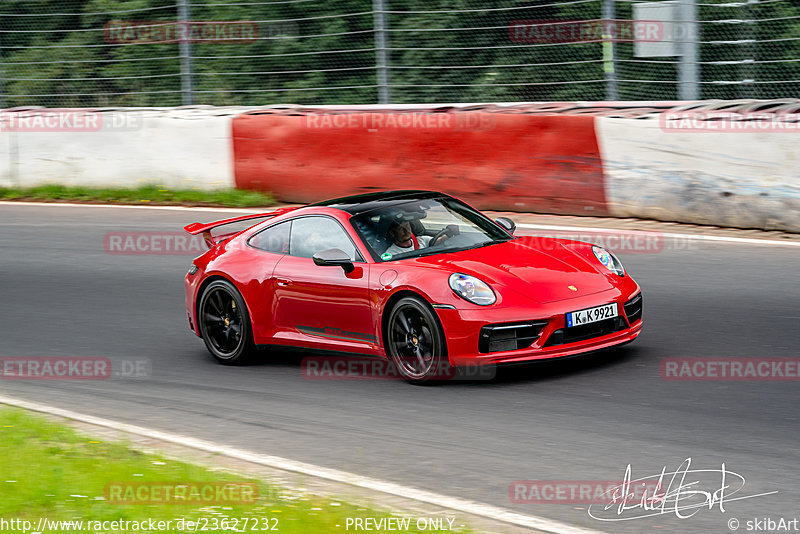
149, 194
47, 470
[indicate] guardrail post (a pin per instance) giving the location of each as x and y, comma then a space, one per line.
749, 52
609, 54
381, 51
184, 22
689, 68
1, 73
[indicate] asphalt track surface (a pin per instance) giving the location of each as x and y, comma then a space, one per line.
579, 420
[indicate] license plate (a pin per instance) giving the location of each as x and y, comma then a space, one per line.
592, 315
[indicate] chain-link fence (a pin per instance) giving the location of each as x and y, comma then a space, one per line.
77, 53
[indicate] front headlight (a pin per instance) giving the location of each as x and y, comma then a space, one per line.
608, 260
470, 288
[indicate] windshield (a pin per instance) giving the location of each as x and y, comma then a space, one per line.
424, 227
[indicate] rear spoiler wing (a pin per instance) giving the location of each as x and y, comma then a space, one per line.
205, 228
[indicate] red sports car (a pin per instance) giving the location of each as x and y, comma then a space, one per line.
415, 276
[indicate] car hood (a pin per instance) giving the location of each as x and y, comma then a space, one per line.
542, 269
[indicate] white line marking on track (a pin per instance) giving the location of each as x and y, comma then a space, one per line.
696, 237
452, 503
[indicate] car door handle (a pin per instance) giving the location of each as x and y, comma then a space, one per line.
283, 282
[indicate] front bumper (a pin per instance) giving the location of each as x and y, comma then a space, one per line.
466, 346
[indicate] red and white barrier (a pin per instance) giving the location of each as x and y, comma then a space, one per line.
625, 159
494, 161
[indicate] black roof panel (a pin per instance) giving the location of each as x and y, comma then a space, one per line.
364, 202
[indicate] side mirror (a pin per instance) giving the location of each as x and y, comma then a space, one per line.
507, 224
334, 256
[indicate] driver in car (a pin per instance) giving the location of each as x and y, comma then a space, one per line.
404, 240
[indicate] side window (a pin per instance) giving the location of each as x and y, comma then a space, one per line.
313, 234
273, 239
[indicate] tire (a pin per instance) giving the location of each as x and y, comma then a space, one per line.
415, 342
225, 323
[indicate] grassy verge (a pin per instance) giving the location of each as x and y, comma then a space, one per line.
49, 471
150, 194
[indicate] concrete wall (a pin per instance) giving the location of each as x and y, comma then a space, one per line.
129, 149
722, 178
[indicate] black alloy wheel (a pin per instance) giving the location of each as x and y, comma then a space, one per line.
225, 323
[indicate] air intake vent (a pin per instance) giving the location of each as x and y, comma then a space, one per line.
512, 336
633, 309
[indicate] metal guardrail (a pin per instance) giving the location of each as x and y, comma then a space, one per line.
749, 110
